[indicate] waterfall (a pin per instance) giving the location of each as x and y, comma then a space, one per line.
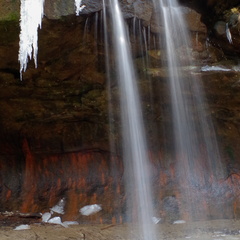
196, 155
136, 162
197, 158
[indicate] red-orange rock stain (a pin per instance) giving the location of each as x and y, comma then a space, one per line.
30, 178
9, 194
163, 179
118, 190
72, 206
72, 176
114, 220
120, 219
94, 198
102, 178
172, 171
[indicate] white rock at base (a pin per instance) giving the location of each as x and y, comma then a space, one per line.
70, 223
46, 216
22, 227
179, 222
59, 208
55, 220
90, 209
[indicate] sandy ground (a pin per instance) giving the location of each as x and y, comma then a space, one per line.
216, 230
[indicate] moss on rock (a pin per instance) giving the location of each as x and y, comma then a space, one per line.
9, 10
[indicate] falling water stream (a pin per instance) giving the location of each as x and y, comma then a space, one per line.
136, 162
196, 151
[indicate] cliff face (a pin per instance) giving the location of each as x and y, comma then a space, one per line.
55, 130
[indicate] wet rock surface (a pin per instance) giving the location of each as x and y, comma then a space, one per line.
54, 125
218, 229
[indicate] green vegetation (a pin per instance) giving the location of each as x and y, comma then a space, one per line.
13, 16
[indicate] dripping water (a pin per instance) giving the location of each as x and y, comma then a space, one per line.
85, 31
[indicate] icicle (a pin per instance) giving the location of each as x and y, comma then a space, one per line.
228, 33
79, 7
31, 18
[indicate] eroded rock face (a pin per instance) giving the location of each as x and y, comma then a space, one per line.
212, 16
62, 112
55, 135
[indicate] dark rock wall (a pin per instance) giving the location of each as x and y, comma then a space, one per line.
55, 130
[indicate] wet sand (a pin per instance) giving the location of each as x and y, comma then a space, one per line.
207, 230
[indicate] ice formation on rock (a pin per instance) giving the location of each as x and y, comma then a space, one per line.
214, 68
31, 13
78, 6
31, 18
